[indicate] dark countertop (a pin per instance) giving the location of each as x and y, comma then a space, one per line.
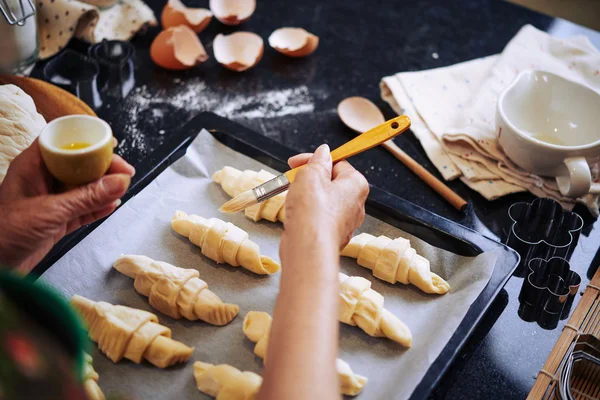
360, 43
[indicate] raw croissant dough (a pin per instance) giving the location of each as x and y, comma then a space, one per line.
90, 380
223, 242
226, 382
257, 326
233, 181
177, 292
363, 307
394, 261
125, 332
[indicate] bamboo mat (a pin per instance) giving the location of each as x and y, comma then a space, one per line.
585, 320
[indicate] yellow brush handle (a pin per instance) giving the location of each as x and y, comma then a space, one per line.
371, 138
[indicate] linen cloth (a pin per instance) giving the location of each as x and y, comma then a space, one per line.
61, 20
453, 112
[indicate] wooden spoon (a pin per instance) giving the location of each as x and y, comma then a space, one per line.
360, 115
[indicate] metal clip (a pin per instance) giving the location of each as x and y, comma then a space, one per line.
10, 16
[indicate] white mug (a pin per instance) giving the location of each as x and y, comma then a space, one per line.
550, 126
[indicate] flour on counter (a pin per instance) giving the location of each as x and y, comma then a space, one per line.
193, 95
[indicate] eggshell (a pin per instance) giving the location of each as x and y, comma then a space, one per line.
238, 51
232, 12
293, 42
177, 48
176, 13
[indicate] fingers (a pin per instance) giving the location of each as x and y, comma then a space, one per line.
342, 167
83, 220
299, 159
115, 142
92, 197
120, 166
321, 160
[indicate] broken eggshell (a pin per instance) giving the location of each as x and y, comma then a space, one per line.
177, 48
176, 13
294, 42
238, 51
232, 12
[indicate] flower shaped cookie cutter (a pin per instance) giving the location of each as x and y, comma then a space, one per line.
76, 73
115, 58
548, 291
542, 229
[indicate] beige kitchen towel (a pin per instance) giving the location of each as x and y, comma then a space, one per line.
453, 111
61, 20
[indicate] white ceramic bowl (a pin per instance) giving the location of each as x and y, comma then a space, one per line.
550, 126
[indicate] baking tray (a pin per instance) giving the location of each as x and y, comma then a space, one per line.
432, 228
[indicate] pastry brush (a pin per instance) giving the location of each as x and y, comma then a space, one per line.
281, 183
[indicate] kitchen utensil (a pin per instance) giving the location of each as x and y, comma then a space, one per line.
91, 156
548, 125
19, 33
51, 101
77, 73
548, 291
542, 229
360, 115
579, 374
115, 58
365, 141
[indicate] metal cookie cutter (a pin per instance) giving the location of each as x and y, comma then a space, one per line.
548, 292
77, 73
580, 374
542, 229
115, 58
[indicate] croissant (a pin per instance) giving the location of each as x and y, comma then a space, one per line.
177, 292
363, 307
394, 261
233, 181
90, 380
257, 326
223, 242
226, 382
125, 332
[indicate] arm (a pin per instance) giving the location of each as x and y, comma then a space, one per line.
323, 207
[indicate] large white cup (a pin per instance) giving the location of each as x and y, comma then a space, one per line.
550, 126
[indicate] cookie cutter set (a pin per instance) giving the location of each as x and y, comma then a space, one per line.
107, 69
545, 236
580, 372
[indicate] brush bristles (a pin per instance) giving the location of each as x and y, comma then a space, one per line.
239, 202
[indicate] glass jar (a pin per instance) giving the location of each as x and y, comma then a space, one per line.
19, 43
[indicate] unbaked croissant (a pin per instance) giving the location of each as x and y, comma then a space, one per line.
257, 326
363, 307
394, 261
226, 382
90, 380
234, 182
223, 242
125, 332
177, 292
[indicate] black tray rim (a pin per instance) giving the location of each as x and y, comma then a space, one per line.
384, 204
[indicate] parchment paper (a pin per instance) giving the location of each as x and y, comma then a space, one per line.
142, 226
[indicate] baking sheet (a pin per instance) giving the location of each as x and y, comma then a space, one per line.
142, 226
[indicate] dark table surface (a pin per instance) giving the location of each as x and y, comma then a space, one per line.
294, 102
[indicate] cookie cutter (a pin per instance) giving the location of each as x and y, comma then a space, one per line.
542, 229
548, 292
76, 73
579, 375
115, 58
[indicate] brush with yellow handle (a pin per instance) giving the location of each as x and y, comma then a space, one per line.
281, 183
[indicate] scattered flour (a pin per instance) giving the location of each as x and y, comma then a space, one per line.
194, 95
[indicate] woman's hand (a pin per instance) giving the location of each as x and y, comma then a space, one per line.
34, 218
325, 200
323, 207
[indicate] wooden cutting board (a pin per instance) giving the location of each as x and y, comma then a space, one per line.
51, 101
